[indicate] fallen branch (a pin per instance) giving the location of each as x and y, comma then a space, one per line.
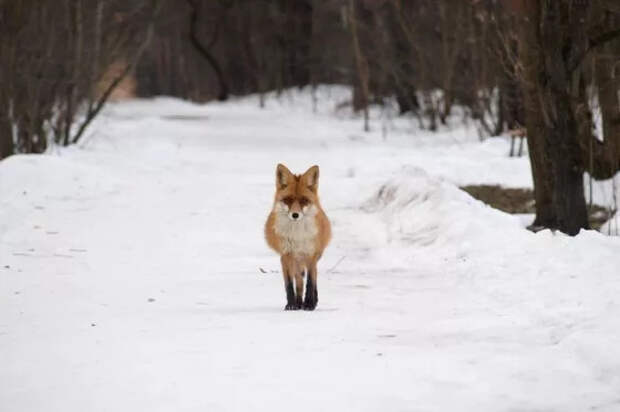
330, 270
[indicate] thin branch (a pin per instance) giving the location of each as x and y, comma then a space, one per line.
330, 270
595, 43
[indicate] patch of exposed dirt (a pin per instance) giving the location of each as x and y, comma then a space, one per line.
522, 201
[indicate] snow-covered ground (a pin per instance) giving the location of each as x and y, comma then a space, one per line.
131, 272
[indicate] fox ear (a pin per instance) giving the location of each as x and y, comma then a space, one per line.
283, 176
311, 178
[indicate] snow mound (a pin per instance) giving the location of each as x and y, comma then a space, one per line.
430, 224
425, 211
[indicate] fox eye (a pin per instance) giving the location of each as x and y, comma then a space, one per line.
288, 200
304, 201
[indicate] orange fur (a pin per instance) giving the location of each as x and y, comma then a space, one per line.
299, 231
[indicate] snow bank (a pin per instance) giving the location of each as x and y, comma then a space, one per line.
431, 215
424, 211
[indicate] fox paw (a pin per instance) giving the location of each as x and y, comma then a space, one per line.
309, 305
292, 306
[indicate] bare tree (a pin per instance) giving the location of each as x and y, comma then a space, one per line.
553, 45
50, 71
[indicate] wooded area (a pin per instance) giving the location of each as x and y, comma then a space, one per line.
549, 66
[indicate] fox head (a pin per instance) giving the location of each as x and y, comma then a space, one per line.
296, 195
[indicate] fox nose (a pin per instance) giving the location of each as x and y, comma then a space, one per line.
295, 215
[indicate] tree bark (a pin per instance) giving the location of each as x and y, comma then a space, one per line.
547, 49
361, 91
6, 131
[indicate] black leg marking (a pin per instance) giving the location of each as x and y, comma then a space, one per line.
312, 295
291, 304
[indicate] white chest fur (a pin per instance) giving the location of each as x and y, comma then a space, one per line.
297, 236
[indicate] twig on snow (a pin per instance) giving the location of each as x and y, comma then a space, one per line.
330, 270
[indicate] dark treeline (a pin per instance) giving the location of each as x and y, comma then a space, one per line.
210, 49
391, 48
549, 67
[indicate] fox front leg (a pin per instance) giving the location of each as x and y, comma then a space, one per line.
288, 271
312, 295
291, 303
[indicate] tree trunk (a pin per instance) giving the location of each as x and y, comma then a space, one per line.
361, 90
547, 49
6, 135
407, 99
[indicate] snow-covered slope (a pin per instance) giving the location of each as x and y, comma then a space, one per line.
130, 272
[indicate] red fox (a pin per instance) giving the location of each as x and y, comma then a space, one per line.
298, 229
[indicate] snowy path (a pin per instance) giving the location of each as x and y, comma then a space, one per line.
130, 281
